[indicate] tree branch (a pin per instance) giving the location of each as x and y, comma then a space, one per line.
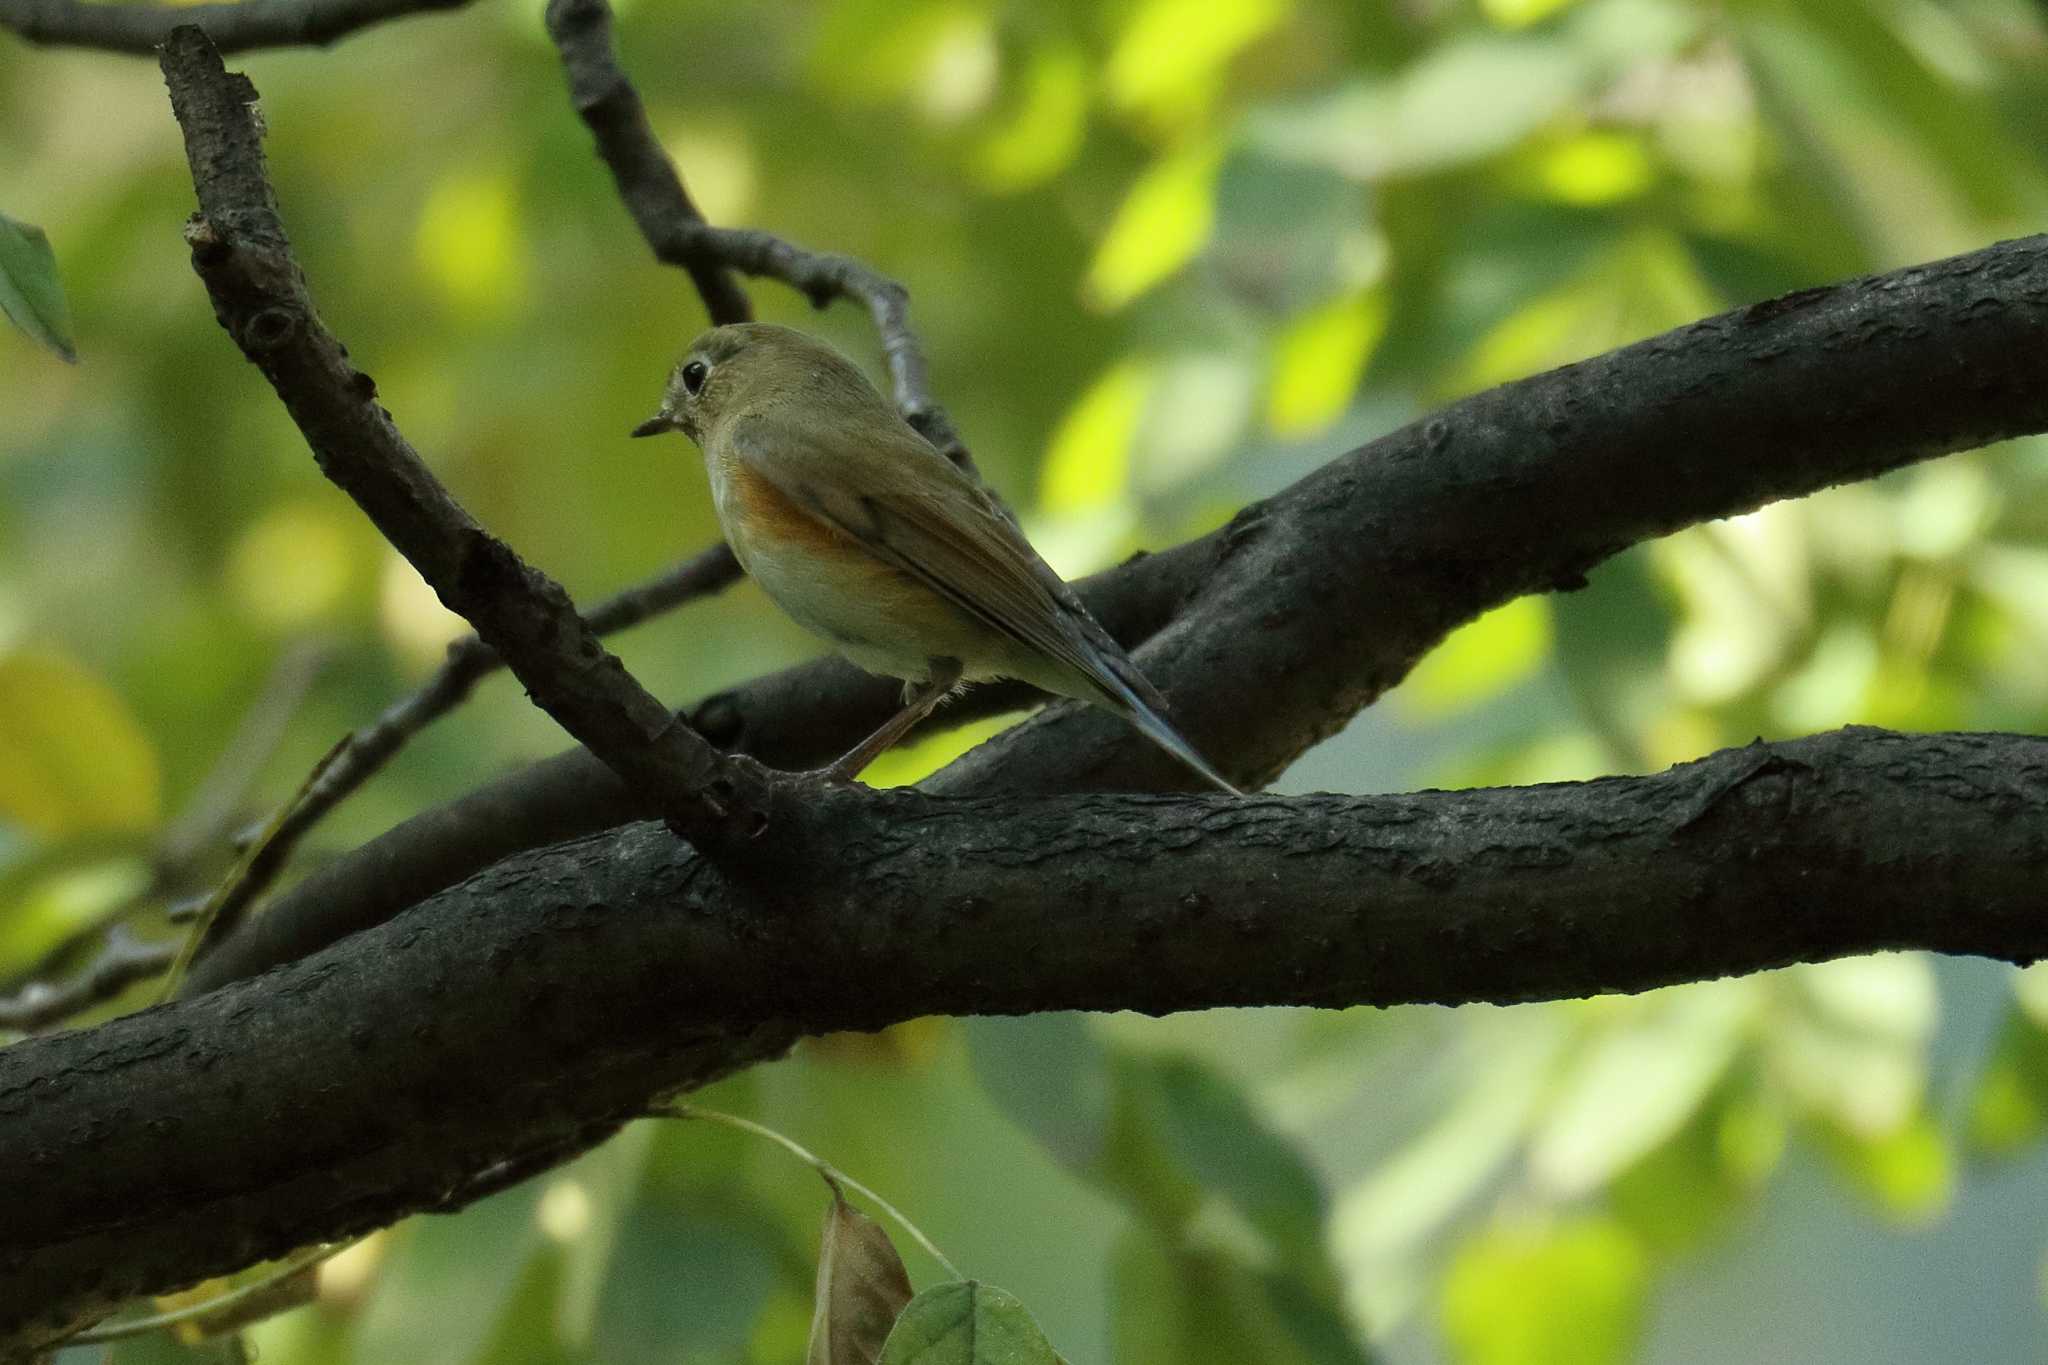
1290, 620
234, 27
364, 752
561, 990
240, 251
647, 179
654, 195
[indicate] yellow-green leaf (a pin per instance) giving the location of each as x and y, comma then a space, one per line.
1171, 50
1041, 136
1163, 222
72, 758
1318, 360
1537, 1295
1482, 659
1089, 463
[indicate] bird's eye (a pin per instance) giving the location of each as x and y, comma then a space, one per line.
693, 375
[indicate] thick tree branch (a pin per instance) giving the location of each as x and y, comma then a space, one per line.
557, 992
240, 251
234, 27
1305, 608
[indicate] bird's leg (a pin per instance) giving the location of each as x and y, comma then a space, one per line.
919, 701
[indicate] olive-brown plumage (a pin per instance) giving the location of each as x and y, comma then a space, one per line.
859, 529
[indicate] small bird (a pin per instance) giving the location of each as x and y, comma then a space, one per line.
865, 534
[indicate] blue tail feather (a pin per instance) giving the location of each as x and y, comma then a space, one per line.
1153, 726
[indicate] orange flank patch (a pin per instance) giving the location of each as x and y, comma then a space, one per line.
774, 522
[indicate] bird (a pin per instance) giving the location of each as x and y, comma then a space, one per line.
864, 533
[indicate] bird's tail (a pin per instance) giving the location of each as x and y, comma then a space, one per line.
1148, 722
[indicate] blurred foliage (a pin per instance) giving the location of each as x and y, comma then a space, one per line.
1168, 255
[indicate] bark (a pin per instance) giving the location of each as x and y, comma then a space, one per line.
512, 1018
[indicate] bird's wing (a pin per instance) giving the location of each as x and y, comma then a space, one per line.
943, 528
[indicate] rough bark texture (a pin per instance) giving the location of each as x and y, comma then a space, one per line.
1273, 632
506, 1020
233, 27
240, 250
557, 993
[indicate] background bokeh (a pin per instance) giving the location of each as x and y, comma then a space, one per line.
1168, 256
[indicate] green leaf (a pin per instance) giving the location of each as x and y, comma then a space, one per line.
72, 758
448, 1281
1533, 1295
682, 1287
1469, 99
1909, 1171
1639, 1082
1049, 1076
29, 292
967, 1323
1162, 224
1481, 659
600, 1187
1226, 1147
1203, 1307
861, 1290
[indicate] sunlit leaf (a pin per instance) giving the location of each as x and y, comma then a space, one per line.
72, 758
1040, 137
1595, 168
2008, 1110
1638, 1083
1318, 360
1537, 1295
1170, 50
1520, 13
1468, 99
1909, 1171
299, 561
939, 55
470, 245
1088, 464
29, 292
1437, 1172
1481, 659
919, 759
1162, 223
967, 1323
1890, 995
861, 1288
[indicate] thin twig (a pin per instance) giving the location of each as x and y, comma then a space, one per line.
253, 869
654, 195
364, 752
832, 1174
235, 27
204, 824
122, 962
209, 817
135, 1327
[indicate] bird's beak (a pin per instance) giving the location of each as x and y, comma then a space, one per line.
655, 425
